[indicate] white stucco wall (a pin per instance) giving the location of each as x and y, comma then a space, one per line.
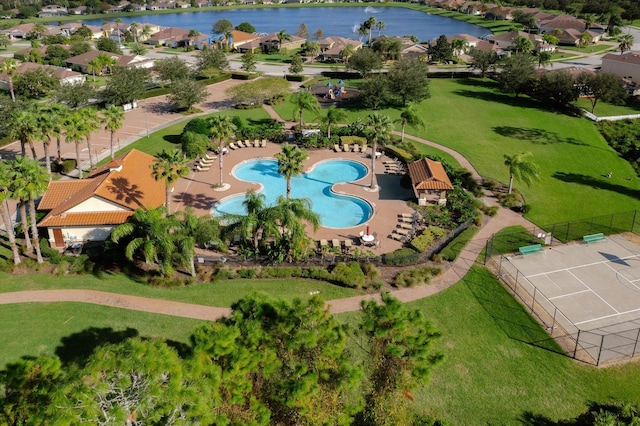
95, 204
82, 234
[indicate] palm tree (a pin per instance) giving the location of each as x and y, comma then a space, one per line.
411, 117
380, 26
73, 132
112, 118
5, 195
192, 34
312, 48
58, 113
169, 166
626, 41
24, 127
291, 215
46, 129
28, 182
521, 168
94, 66
221, 128
283, 35
291, 163
187, 224
334, 116
9, 67
459, 46
146, 31
544, 59
118, 22
258, 223
378, 130
90, 124
148, 233
304, 100
584, 39
347, 51
133, 28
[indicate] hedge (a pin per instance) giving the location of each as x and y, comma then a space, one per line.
422, 242
402, 256
350, 140
394, 151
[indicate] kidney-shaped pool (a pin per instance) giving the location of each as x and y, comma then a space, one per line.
335, 210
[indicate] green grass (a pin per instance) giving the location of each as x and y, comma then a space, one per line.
631, 106
169, 137
221, 293
453, 249
475, 118
40, 329
592, 48
500, 364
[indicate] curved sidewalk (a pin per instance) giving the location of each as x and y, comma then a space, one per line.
457, 271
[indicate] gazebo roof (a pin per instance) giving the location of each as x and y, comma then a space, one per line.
428, 175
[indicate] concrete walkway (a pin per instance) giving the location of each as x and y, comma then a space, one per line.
453, 274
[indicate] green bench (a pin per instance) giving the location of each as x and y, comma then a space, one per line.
534, 248
594, 238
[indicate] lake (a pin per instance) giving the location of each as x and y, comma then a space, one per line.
337, 21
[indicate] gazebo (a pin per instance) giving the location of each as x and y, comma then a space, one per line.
429, 181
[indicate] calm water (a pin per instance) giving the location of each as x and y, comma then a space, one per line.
335, 210
343, 21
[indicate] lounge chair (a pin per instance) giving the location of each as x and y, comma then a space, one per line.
356, 148
347, 245
405, 225
335, 243
337, 148
210, 157
346, 147
256, 143
198, 168
364, 148
407, 215
323, 243
240, 144
207, 160
204, 164
398, 237
232, 146
263, 143
401, 231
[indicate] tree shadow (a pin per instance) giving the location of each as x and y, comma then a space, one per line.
509, 315
172, 139
76, 348
125, 191
587, 418
596, 183
199, 201
479, 82
501, 98
537, 136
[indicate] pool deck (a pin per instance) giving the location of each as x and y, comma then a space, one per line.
196, 191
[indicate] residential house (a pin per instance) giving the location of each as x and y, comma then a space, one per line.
52, 10
269, 42
80, 10
19, 31
203, 3
159, 5
429, 181
562, 22
172, 37
81, 62
506, 41
572, 36
64, 75
82, 210
626, 65
330, 47
181, 5
69, 28
238, 38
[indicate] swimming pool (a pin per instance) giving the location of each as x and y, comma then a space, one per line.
335, 210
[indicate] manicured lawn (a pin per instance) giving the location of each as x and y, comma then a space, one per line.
221, 293
589, 49
169, 137
475, 118
40, 329
499, 364
632, 106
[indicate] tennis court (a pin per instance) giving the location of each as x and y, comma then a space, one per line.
589, 291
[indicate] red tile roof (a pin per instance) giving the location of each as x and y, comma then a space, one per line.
427, 174
126, 181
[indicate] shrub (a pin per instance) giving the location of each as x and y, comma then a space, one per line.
353, 140
66, 166
402, 256
511, 201
401, 154
194, 144
247, 273
372, 275
294, 77
198, 125
417, 276
52, 254
349, 274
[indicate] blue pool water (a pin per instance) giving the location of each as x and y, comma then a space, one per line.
335, 210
